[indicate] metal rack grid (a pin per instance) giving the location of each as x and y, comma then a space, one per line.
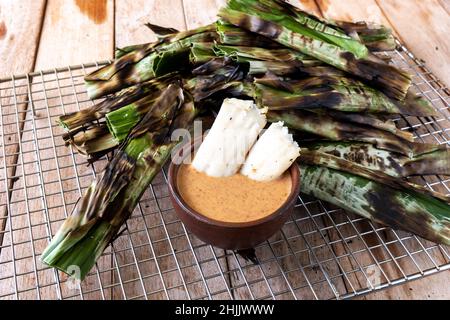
321, 253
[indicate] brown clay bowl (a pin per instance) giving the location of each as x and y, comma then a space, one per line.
230, 235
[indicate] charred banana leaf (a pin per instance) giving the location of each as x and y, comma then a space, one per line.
110, 200
292, 28
408, 210
126, 96
235, 36
334, 162
93, 142
325, 126
372, 120
216, 75
393, 164
374, 36
338, 93
167, 55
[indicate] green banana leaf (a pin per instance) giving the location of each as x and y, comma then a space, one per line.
408, 210
313, 38
393, 164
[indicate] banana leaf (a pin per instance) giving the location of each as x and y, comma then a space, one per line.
160, 31
167, 55
112, 197
336, 97
372, 120
260, 53
313, 38
124, 97
374, 36
280, 62
393, 164
216, 75
120, 121
235, 36
325, 126
120, 52
92, 142
408, 210
201, 53
338, 93
315, 157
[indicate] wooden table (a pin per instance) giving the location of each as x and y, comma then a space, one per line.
42, 34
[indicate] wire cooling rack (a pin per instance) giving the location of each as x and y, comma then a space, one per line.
321, 253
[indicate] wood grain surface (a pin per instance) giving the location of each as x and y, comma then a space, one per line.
19, 40
37, 35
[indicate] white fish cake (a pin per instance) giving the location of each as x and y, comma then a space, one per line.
271, 155
232, 135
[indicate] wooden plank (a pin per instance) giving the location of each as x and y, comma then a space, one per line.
446, 5
73, 33
20, 27
352, 10
147, 223
307, 5
131, 17
76, 32
427, 36
434, 287
370, 11
201, 12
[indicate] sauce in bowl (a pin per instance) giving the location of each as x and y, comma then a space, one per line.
232, 199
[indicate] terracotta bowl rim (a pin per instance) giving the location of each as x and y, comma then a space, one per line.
173, 188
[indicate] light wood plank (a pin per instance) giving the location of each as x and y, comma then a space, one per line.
131, 17
307, 5
446, 5
423, 26
371, 11
201, 12
75, 32
353, 10
434, 287
130, 29
20, 26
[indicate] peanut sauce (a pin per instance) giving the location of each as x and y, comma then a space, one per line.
232, 199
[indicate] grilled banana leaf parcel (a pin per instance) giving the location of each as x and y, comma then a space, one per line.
393, 164
333, 162
156, 59
330, 128
295, 29
415, 212
92, 142
338, 93
374, 36
109, 201
122, 98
